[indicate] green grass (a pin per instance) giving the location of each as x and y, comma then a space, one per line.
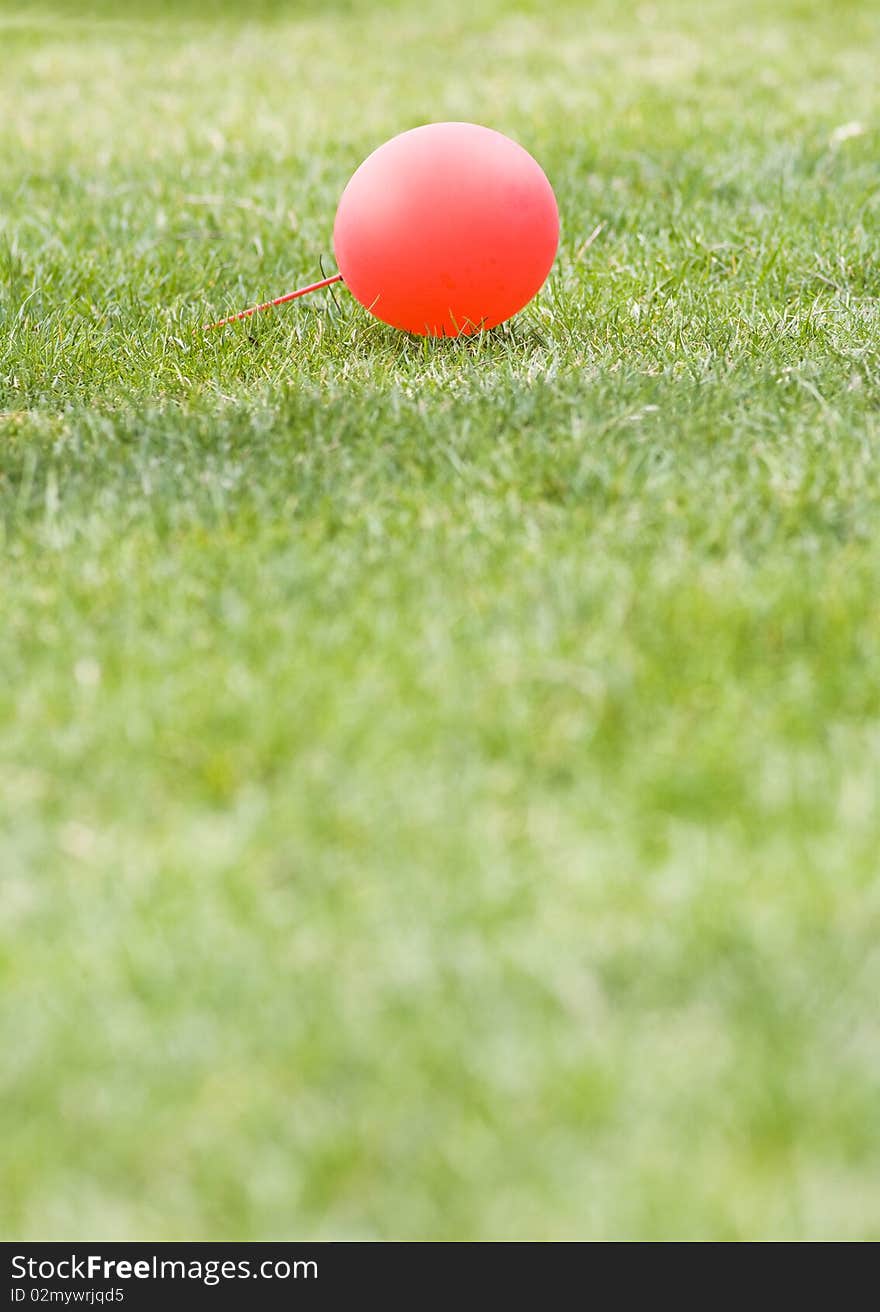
440, 781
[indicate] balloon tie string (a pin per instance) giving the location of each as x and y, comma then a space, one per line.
279, 300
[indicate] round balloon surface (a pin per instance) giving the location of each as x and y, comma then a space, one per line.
449, 228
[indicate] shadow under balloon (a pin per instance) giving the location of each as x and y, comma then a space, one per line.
515, 335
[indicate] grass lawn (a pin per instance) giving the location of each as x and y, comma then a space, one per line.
440, 781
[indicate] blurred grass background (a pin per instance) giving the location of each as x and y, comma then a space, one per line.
439, 782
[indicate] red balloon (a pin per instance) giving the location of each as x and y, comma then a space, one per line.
447, 229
